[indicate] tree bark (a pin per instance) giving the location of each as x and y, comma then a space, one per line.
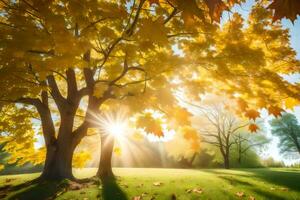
226, 162
105, 168
58, 163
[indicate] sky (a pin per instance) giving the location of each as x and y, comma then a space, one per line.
272, 150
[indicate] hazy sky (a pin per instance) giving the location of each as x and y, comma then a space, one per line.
244, 10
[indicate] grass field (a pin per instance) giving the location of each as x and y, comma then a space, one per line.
150, 184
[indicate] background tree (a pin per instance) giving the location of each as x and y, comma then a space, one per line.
245, 142
287, 129
220, 129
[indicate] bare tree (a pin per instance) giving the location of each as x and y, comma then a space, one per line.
244, 142
218, 127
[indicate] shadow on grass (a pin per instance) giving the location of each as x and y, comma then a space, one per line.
281, 177
234, 181
111, 190
267, 195
32, 190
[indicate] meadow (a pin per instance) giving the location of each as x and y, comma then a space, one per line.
164, 184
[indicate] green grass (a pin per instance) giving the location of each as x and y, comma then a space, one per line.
216, 184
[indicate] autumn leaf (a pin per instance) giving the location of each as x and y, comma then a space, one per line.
189, 133
216, 8
190, 9
117, 151
197, 190
181, 116
251, 198
99, 89
252, 114
285, 8
150, 124
275, 111
242, 104
240, 194
137, 198
155, 31
157, 183
253, 128
195, 146
290, 103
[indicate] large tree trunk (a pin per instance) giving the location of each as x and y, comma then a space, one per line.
58, 163
105, 169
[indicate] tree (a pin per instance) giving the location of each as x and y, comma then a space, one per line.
218, 128
54, 54
245, 142
287, 129
60, 59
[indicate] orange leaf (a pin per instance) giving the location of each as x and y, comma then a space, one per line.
216, 8
195, 146
275, 110
253, 128
242, 104
252, 114
285, 8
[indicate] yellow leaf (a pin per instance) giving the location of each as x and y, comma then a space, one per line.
154, 31
99, 89
290, 103
117, 151
150, 124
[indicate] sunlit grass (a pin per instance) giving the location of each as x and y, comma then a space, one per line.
216, 184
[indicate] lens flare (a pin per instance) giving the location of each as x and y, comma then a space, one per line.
114, 123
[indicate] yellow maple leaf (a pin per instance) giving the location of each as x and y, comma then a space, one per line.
150, 124
117, 151
290, 103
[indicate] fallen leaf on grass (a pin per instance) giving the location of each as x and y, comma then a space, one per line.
195, 190
251, 198
198, 190
157, 183
240, 194
137, 198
